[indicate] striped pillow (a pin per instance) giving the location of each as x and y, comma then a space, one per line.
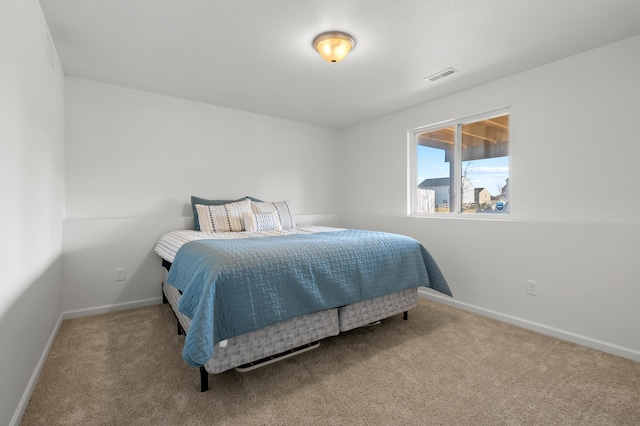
261, 222
282, 208
223, 218
206, 202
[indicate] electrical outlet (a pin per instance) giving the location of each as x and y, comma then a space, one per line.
531, 287
120, 274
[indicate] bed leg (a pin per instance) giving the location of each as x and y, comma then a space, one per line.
204, 379
164, 298
405, 315
180, 329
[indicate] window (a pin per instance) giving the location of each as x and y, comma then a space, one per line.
469, 154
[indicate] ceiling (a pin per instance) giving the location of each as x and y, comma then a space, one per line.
482, 139
257, 55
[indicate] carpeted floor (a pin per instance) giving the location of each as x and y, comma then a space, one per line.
442, 367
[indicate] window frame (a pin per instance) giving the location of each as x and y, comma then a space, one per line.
455, 198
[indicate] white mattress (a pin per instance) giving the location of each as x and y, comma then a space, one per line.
168, 245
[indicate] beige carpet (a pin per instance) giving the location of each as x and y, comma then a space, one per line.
442, 367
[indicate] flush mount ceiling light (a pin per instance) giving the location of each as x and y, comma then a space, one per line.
333, 46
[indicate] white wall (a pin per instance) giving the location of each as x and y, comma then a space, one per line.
32, 188
133, 159
574, 224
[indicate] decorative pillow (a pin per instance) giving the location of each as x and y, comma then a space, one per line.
205, 202
223, 218
280, 207
261, 222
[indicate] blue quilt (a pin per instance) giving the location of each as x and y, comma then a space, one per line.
231, 287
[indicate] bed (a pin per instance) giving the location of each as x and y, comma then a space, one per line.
257, 293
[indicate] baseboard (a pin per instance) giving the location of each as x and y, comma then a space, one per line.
111, 308
589, 342
24, 401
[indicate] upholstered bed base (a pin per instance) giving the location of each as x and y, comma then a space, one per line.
372, 310
267, 341
300, 332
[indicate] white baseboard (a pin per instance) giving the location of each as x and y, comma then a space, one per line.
111, 308
24, 401
540, 328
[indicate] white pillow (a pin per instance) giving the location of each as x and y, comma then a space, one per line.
282, 208
223, 218
261, 222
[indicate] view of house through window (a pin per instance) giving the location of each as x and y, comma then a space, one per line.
470, 155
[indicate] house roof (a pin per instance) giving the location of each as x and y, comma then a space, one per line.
430, 183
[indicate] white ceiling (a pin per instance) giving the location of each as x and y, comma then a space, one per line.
257, 55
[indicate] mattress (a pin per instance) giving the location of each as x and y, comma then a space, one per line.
168, 245
233, 287
295, 332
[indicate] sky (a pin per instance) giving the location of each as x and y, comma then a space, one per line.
490, 173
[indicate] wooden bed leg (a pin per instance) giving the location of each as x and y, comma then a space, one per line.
405, 315
204, 379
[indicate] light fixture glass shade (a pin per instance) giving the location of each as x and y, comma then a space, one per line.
334, 45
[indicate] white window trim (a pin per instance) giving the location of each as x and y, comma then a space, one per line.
413, 170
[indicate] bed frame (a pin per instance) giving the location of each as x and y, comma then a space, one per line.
289, 337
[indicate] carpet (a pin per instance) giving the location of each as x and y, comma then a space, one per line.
443, 366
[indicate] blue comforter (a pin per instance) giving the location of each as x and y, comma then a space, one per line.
231, 287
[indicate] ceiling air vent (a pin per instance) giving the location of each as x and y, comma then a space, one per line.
440, 74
